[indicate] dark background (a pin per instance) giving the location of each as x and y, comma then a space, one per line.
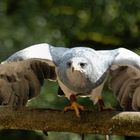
100, 24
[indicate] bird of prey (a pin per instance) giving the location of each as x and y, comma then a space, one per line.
22, 80
82, 71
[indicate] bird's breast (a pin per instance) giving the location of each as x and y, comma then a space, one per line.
77, 79
77, 82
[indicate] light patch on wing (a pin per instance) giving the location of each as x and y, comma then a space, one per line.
127, 57
38, 51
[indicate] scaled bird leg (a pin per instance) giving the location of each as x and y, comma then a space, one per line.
74, 106
102, 106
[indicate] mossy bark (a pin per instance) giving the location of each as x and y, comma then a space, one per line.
119, 123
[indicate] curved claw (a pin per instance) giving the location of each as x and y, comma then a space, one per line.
76, 107
102, 106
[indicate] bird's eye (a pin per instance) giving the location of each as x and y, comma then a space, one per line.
69, 64
82, 64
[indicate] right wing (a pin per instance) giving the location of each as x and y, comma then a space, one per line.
22, 80
40, 51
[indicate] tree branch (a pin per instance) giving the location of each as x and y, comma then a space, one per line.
119, 123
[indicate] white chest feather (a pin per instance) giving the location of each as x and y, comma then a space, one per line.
66, 90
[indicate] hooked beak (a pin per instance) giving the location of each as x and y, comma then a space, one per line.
76, 69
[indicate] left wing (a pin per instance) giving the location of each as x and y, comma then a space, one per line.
126, 57
125, 79
125, 83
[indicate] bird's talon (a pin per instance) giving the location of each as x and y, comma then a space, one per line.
102, 107
67, 108
76, 107
45, 131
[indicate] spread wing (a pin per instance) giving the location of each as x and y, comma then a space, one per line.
44, 51
126, 57
125, 79
22, 80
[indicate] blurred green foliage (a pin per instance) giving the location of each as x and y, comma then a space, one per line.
101, 24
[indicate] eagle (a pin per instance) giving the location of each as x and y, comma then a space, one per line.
83, 71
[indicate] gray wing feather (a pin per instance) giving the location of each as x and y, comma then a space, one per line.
125, 84
35, 51
126, 57
41, 51
125, 80
22, 80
